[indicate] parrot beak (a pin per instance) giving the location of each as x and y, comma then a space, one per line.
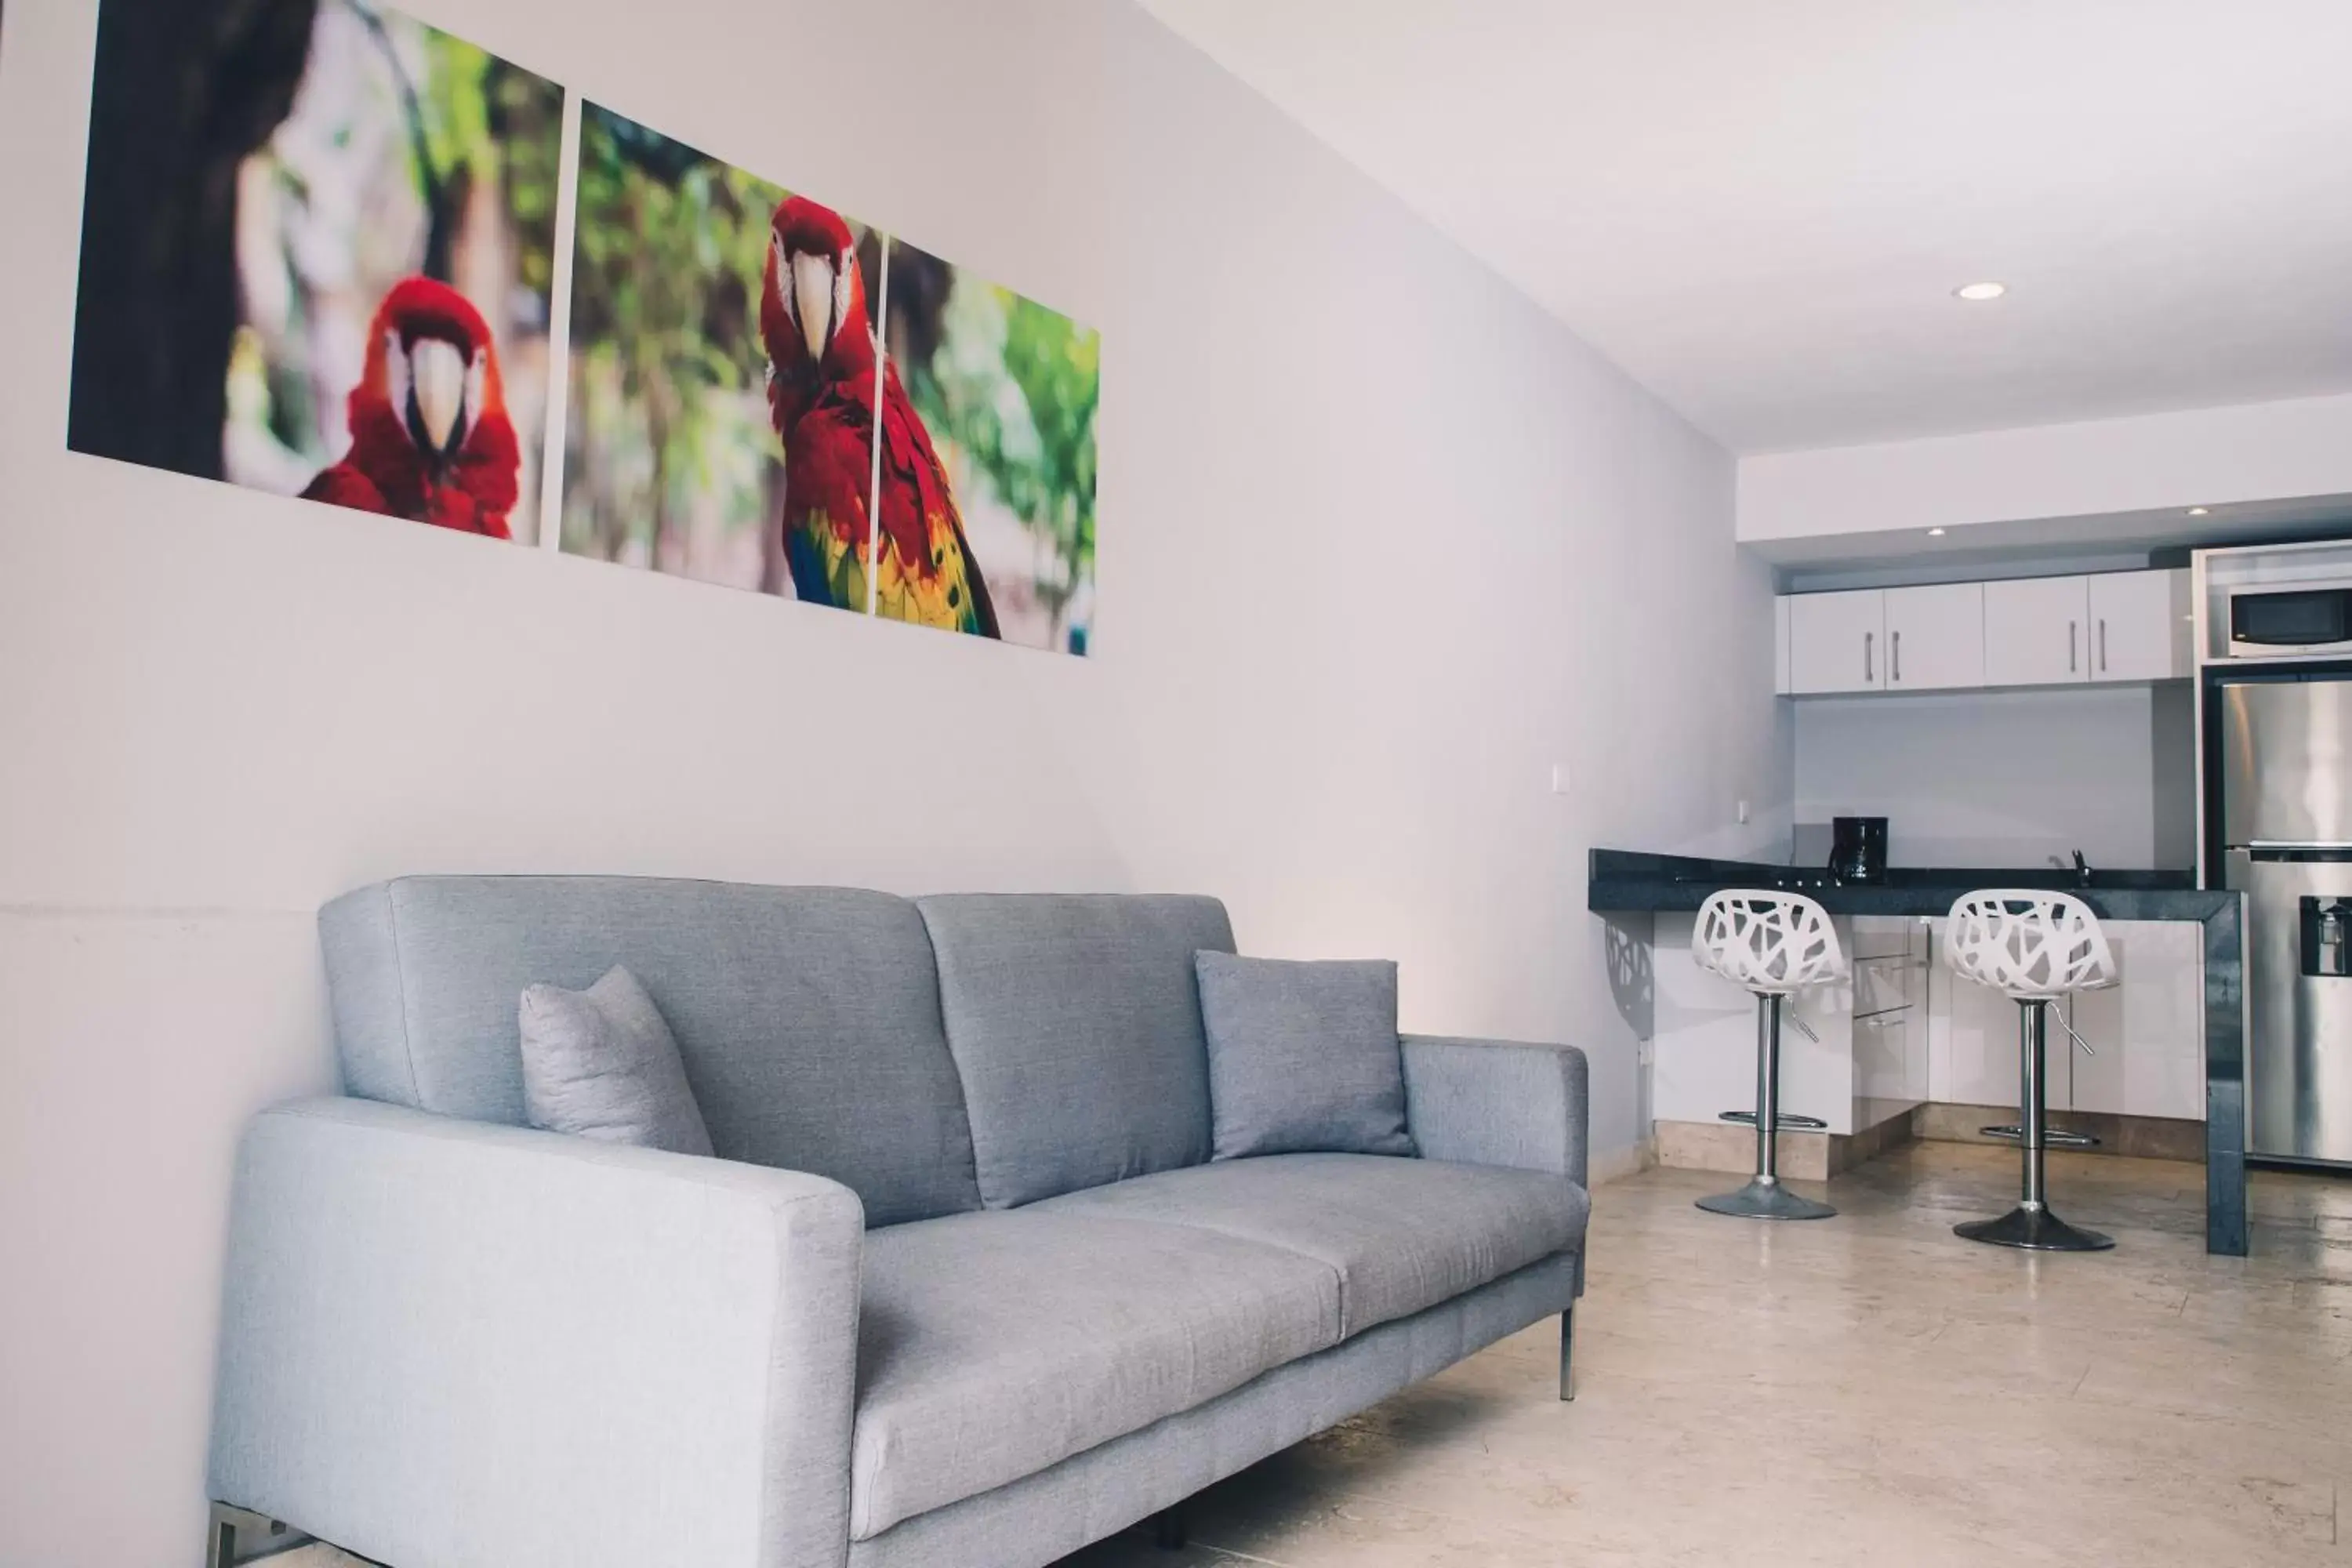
439, 383
813, 301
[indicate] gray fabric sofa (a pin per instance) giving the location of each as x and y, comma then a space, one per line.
962, 1288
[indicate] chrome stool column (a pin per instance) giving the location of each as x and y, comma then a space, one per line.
1772, 943
2034, 947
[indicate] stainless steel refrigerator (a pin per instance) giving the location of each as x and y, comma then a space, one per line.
2286, 837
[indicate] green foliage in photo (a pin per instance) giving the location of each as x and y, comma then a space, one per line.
671, 248
1017, 386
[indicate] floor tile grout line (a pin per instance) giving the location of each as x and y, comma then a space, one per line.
1379, 1499
1228, 1552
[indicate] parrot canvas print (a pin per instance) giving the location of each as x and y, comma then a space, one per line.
317, 259
988, 462
320, 258
738, 346
722, 374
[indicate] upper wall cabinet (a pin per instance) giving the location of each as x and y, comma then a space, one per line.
1886, 639
1934, 638
2141, 626
1837, 642
2034, 631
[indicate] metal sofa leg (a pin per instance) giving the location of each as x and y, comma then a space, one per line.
1168, 1529
226, 1526
1567, 1349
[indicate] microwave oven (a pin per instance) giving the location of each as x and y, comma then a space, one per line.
2300, 621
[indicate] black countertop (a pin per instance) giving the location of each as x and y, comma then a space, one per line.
1629, 880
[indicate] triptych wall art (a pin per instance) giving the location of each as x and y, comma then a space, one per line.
330, 251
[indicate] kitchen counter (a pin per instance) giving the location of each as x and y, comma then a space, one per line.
1627, 881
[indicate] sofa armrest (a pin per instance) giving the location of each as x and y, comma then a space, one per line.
449, 1342
1497, 1102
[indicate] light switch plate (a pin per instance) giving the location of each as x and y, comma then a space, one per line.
1560, 777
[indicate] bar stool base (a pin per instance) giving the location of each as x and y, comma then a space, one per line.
1766, 1200
2034, 1229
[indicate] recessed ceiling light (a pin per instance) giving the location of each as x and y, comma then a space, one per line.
1935, 533
2199, 510
1981, 290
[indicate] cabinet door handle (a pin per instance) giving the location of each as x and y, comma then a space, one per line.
1868, 679
1894, 653
2071, 629
2103, 644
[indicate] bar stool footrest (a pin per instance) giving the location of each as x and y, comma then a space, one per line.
2051, 1137
1788, 1121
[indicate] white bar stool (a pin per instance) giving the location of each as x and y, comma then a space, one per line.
2034, 947
1771, 943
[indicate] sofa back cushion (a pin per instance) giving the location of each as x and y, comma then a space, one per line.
808, 1018
1075, 1024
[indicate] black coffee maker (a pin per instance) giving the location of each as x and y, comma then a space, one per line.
1858, 849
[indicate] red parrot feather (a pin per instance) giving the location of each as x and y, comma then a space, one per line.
430, 441
821, 397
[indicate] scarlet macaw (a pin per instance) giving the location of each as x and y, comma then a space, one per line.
430, 438
821, 398
821, 379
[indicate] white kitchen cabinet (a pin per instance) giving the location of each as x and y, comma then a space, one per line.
1780, 644
2035, 631
1976, 1061
1958, 636
2092, 1080
1837, 642
2147, 1031
1981, 1045
1890, 1026
1704, 1043
1853, 1052
1934, 638
2139, 626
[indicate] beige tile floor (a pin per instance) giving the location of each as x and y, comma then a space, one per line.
1865, 1390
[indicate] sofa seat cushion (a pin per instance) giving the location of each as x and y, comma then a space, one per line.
1400, 1234
993, 1345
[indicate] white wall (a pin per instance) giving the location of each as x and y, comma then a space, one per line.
2007, 778
1382, 542
2208, 456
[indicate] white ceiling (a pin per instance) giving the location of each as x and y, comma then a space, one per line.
1998, 548
1760, 207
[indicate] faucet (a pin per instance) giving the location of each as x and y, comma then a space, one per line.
2082, 869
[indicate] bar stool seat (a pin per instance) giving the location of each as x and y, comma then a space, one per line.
1773, 944
2034, 947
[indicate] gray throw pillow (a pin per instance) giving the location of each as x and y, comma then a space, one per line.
601, 1063
1303, 1057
